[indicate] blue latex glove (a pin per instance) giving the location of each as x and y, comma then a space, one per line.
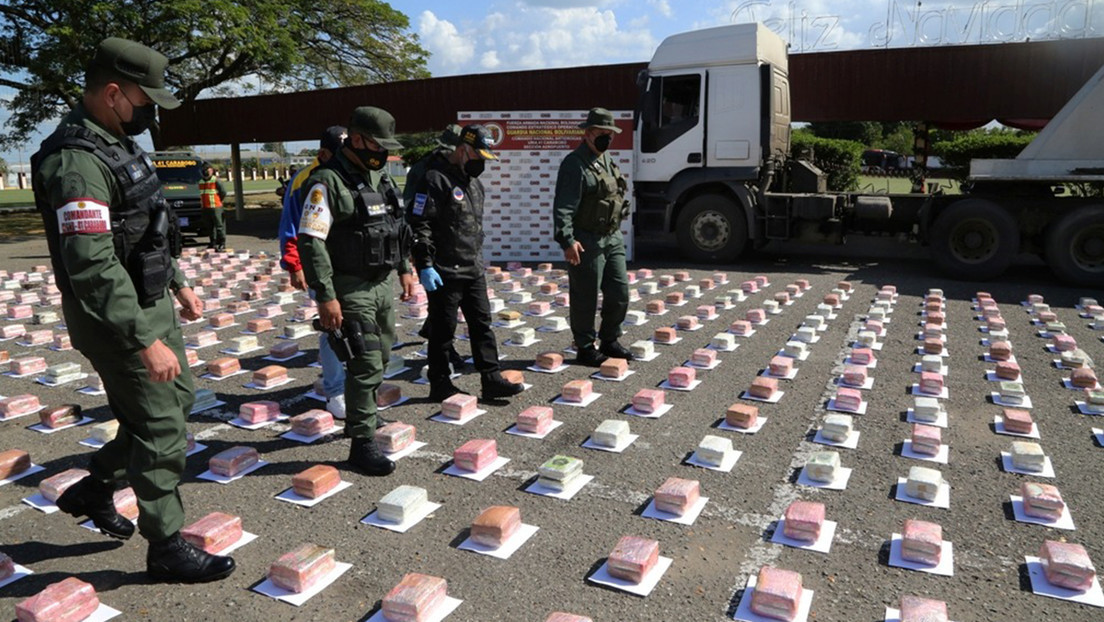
430, 279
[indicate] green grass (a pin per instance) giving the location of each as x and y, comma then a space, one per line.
901, 185
14, 197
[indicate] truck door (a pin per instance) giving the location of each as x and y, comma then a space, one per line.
670, 132
734, 117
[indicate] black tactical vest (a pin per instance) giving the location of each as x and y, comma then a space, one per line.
144, 228
377, 238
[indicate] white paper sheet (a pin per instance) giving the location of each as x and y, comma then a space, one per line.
538, 489
1039, 585
726, 465
416, 517
518, 432
945, 567
1006, 464
745, 614
942, 497
1065, 521
940, 458
687, 518
646, 585
622, 446
508, 548
823, 543
480, 475
759, 423
221, 479
587, 401
268, 588
441, 418
851, 442
840, 483
290, 496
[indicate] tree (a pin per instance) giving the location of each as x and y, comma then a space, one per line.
211, 45
864, 132
277, 148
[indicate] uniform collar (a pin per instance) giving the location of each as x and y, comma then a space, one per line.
586, 155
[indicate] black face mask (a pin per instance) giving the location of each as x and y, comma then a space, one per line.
371, 159
602, 143
474, 168
141, 118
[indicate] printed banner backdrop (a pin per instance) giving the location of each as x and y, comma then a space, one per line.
521, 185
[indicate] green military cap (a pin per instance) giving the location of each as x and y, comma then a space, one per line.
137, 63
375, 123
601, 119
450, 137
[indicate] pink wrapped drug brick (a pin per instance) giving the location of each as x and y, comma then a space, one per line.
782, 298
203, 338
848, 399
388, 394
20, 312
706, 284
1017, 421
38, 337
1007, 370
1083, 378
220, 320
259, 412
233, 461
475, 455
874, 325
415, 598
937, 318
1067, 565
7, 566
917, 609
69, 600
706, 312
238, 306
191, 357
687, 322
740, 327
62, 342
315, 481
931, 383
259, 325
495, 525
213, 532
803, 284
549, 360
1064, 343
299, 570
933, 306
613, 368
395, 436
270, 376
777, 593
995, 323
761, 280
27, 365
763, 387
538, 279
990, 313
666, 280
681, 377
677, 496
655, 307
52, 487
539, 307
60, 416
13, 462
283, 349
780, 365
922, 542
704, 357
562, 300
458, 406
1042, 501
854, 375
11, 331
804, 520
926, 439
742, 416
674, 298
862, 356
720, 278
534, 420
755, 316
577, 390
17, 406
648, 400
665, 334
559, 616
549, 289
513, 376
126, 503
749, 287
1000, 350
224, 366
269, 311
793, 289
832, 300
5, 356
682, 276
633, 558
314, 421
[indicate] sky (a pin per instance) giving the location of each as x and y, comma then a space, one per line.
504, 35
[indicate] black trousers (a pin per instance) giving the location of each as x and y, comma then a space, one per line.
469, 295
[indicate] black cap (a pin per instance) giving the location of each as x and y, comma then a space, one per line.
479, 138
377, 124
139, 64
332, 138
601, 119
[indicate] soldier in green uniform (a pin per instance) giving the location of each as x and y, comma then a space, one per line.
352, 237
108, 228
587, 213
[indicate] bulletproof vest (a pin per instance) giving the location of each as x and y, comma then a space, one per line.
601, 211
144, 229
377, 238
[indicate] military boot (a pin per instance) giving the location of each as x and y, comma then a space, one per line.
614, 349
369, 459
441, 390
175, 560
94, 499
495, 387
590, 357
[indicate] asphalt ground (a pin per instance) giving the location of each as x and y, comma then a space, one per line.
713, 558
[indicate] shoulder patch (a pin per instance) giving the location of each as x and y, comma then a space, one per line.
458, 194
73, 185
317, 217
419, 204
83, 216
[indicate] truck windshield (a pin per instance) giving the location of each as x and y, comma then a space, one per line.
669, 108
178, 171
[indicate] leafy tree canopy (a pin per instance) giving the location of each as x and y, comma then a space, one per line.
292, 44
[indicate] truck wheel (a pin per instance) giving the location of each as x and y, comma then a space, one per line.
1075, 246
975, 240
712, 229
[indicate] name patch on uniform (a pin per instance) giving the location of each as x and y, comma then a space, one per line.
83, 216
458, 194
317, 218
419, 204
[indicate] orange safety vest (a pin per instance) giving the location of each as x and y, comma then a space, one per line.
208, 193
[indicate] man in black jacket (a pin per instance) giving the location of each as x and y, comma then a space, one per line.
446, 215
